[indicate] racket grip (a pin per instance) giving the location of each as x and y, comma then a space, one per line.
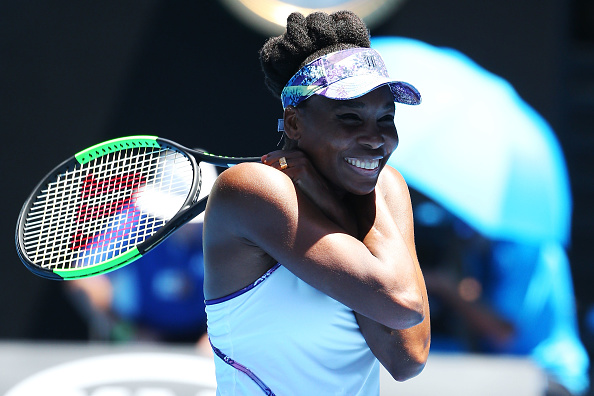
221, 160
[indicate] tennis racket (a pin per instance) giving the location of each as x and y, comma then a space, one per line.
110, 204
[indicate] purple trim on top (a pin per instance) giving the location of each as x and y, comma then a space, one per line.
242, 368
245, 289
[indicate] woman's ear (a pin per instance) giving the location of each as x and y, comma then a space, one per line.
292, 123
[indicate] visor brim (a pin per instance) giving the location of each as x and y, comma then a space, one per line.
357, 86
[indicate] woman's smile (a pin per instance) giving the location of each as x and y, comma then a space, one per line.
348, 141
364, 163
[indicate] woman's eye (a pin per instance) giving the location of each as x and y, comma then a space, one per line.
349, 117
387, 118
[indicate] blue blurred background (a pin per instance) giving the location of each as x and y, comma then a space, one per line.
73, 74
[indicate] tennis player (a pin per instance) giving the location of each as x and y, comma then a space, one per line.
311, 275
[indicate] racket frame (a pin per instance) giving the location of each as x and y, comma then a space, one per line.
191, 208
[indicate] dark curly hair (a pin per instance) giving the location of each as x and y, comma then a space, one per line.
306, 39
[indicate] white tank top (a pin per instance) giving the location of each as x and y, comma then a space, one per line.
280, 336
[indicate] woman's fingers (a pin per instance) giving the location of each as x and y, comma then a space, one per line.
283, 160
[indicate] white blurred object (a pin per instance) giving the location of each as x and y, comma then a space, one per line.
123, 374
270, 16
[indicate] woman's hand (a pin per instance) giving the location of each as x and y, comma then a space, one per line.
300, 170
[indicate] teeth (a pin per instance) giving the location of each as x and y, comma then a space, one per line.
365, 164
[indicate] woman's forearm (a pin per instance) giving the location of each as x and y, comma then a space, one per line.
380, 233
402, 352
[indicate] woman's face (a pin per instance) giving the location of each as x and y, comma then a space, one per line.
349, 141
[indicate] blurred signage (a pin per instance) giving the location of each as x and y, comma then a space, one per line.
124, 374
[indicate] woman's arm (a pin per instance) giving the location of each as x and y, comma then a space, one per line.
377, 277
402, 352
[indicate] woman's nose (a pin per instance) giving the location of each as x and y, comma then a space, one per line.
372, 138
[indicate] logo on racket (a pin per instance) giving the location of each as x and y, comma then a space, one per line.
101, 199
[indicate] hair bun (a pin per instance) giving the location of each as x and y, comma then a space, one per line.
351, 29
306, 39
321, 30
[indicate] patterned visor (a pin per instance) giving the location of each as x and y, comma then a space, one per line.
343, 75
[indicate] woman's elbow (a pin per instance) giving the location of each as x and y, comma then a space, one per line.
411, 366
413, 353
408, 371
408, 312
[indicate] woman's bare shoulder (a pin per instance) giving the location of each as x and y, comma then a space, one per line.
396, 193
246, 192
250, 179
392, 183
239, 200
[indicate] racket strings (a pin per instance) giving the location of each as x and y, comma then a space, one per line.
59, 212
105, 207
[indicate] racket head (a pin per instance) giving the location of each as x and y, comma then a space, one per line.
107, 206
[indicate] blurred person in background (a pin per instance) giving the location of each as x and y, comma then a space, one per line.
500, 297
157, 299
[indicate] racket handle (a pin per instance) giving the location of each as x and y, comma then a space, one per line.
180, 219
221, 160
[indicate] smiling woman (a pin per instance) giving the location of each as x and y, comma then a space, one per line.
347, 141
315, 296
